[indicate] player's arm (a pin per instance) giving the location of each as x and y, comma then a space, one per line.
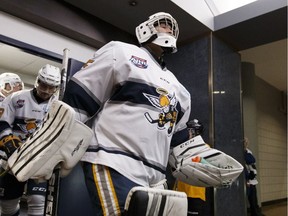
249, 158
8, 142
181, 133
90, 87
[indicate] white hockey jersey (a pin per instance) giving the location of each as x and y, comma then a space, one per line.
2, 96
21, 114
136, 106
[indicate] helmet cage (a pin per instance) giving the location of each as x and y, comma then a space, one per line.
11, 79
147, 32
48, 81
50, 75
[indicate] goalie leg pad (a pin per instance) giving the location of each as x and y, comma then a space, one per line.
61, 139
142, 201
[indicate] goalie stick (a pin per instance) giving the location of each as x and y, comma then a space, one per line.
53, 184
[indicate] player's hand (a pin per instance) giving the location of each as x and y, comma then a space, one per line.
9, 144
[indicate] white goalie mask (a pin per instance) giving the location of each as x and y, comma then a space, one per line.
10, 82
47, 81
147, 31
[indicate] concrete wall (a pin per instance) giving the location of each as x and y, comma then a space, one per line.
272, 142
265, 124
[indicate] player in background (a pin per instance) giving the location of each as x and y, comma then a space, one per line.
137, 110
9, 83
251, 180
20, 114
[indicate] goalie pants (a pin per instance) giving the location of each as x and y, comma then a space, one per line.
12, 189
195, 207
107, 188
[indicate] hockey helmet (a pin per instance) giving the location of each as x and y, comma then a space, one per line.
195, 126
10, 82
48, 81
147, 31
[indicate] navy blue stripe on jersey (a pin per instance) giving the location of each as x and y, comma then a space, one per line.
133, 92
180, 113
135, 157
78, 98
180, 137
4, 125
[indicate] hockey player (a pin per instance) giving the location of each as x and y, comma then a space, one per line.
9, 83
137, 109
20, 114
251, 180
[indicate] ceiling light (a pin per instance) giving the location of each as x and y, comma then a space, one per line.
133, 3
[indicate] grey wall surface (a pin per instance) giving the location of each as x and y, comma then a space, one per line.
228, 127
191, 66
204, 66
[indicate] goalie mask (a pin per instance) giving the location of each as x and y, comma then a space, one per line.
148, 31
10, 82
47, 81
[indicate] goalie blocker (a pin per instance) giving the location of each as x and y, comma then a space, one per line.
60, 140
216, 169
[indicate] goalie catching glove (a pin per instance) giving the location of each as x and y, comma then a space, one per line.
214, 169
9, 144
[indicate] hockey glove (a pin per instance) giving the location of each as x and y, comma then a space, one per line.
9, 144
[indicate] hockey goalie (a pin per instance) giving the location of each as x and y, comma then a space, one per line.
195, 163
60, 140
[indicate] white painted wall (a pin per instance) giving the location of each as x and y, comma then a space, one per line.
247, 12
26, 32
200, 10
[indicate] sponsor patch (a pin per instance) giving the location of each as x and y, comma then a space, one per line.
20, 104
139, 62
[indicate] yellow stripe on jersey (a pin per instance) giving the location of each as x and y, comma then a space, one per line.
112, 189
95, 171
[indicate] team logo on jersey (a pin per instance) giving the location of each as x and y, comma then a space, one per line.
20, 104
89, 62
166, 104
29, 127
139, 62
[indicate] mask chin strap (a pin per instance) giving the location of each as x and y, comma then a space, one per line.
168, 50
152, 38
